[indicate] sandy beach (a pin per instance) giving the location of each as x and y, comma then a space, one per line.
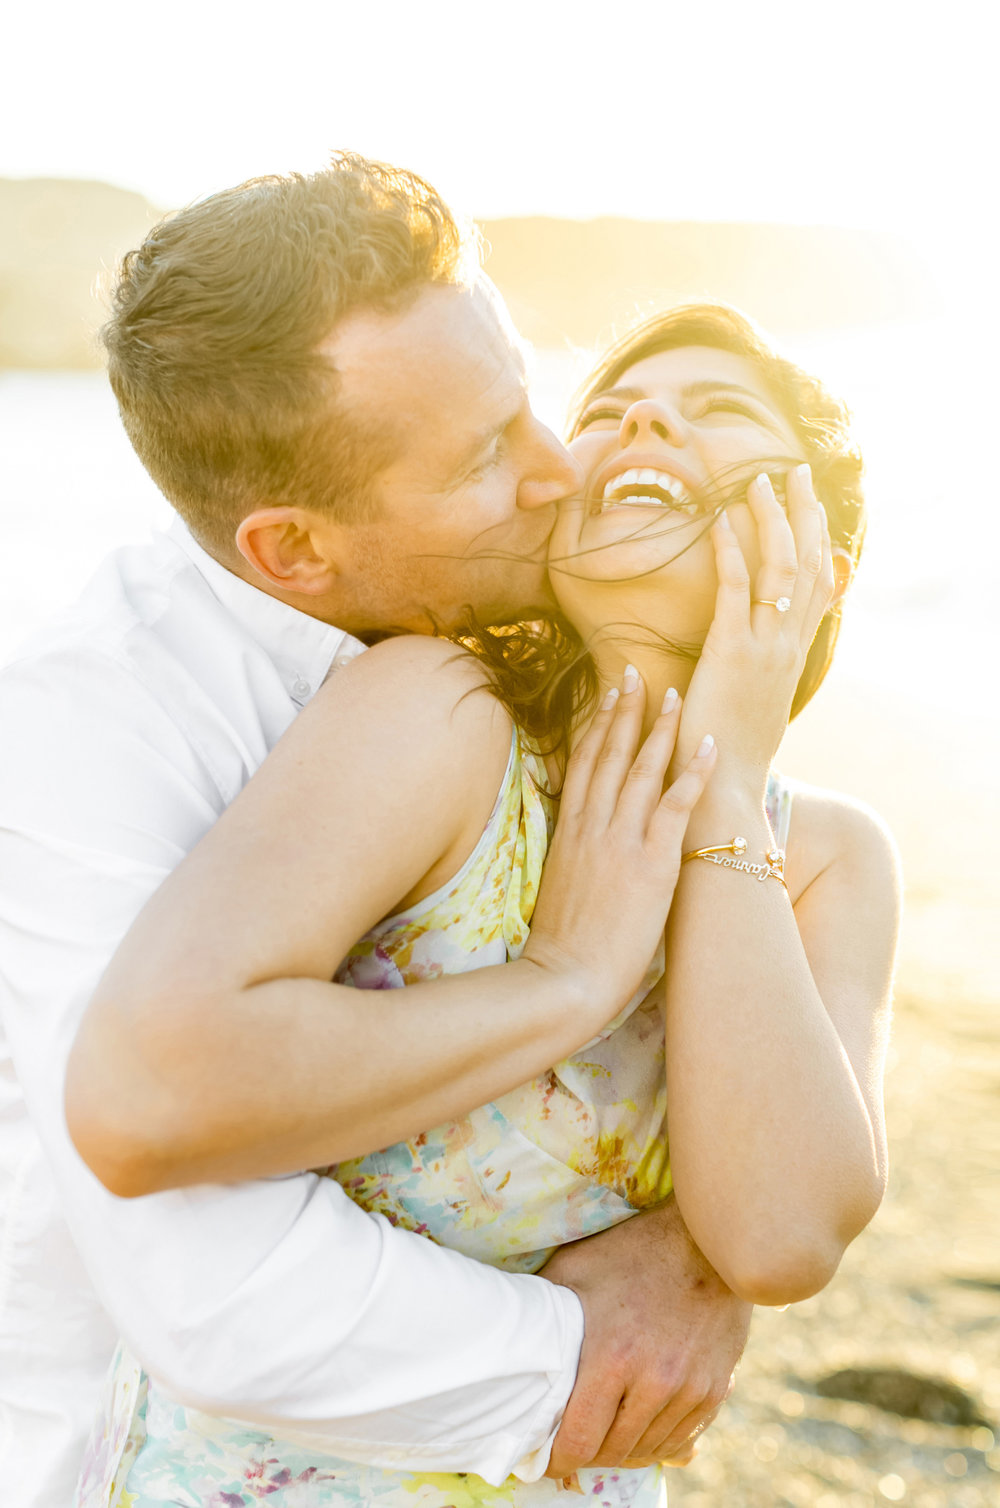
919, 1292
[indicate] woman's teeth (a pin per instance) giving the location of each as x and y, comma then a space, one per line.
644, 487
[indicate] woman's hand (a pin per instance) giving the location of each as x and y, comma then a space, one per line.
755, 651
613, 865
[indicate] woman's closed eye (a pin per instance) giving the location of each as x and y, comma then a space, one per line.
724, 404
598, 416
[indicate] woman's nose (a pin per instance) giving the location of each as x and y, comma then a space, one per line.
651, 418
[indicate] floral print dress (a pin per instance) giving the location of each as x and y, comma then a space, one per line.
575, 1151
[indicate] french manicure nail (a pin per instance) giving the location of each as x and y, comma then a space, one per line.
723, 520
764, 485
610, 698
708, 742
670, 700
804, 472
630, 680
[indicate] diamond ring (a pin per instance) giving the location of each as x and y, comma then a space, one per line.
782, 603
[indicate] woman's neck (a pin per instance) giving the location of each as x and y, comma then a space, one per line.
660, 670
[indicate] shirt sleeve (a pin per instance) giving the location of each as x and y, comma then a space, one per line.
279, 1301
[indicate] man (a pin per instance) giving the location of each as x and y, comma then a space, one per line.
337, 412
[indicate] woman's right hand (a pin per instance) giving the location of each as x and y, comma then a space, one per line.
611, 871
754, 653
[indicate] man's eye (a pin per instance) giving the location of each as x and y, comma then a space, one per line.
488, 461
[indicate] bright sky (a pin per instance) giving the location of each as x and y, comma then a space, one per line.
861, 112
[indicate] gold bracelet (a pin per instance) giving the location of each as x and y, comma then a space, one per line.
773, 869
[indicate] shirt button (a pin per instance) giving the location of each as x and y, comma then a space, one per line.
300, 687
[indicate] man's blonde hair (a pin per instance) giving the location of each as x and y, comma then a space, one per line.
213, 342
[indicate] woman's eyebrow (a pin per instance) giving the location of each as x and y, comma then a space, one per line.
718, 385
627, 394
689, 390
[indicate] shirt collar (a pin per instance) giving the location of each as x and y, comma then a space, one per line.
303, 649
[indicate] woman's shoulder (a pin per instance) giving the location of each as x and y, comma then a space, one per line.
425, 682
830, 830
413, 720
446, 665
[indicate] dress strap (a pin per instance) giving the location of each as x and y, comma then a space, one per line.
779, 807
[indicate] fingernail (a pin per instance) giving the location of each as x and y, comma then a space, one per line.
723, 520
630, 679
708, 742
764, 485
669, 701
804, 472
610, 698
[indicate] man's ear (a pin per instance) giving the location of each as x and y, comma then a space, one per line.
843, 572
290, 548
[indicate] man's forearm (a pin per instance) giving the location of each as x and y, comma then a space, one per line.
418, 1358
283, 1304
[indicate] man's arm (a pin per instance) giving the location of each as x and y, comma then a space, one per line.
277, 1301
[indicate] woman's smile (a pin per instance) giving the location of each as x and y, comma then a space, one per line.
642, 478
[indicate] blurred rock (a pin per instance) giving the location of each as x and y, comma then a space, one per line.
579, 281
568, 282
59, 241
897, 1391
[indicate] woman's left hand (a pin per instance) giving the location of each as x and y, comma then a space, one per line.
753, 655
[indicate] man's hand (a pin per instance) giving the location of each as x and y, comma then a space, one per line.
662, 1336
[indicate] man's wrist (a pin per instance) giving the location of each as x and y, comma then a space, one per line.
534, 1463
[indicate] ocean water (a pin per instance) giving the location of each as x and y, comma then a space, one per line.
908, 719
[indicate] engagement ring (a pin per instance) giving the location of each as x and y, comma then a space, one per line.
782, 604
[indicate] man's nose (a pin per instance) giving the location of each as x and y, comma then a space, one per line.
651, 418
555, 475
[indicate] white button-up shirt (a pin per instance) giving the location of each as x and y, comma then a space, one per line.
125, 730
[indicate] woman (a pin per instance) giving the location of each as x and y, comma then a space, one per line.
775, 1012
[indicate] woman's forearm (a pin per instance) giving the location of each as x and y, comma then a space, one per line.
215, 1049
296, 1073
775, 1158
